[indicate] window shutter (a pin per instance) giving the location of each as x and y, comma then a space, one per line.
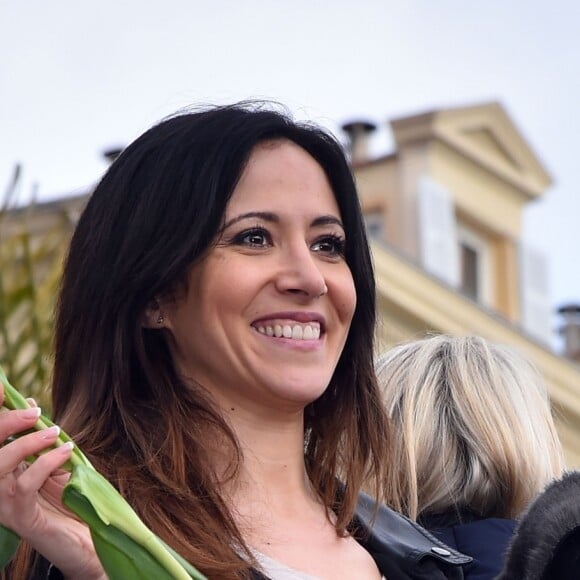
438, 231
535, 303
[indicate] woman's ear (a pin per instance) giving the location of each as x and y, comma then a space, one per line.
153, 316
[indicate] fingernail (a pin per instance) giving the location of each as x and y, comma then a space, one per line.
32, 413
66, 447
51, 432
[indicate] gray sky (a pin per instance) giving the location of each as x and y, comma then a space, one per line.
78, 77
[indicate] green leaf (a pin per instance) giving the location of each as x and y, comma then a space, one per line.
9, 543
12, 398
33, 243
112, 520
120, 555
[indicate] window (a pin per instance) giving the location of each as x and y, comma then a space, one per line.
469, 270
375, 224
475, 272
437, 223
535, 298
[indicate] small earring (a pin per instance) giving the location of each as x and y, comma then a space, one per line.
160, 319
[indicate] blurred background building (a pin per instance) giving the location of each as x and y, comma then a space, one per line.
444, 212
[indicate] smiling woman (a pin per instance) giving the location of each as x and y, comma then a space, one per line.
277, 266
214, 343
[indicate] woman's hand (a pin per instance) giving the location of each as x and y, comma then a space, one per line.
30, 496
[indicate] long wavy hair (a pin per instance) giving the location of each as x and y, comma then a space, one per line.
115, 387
471, 428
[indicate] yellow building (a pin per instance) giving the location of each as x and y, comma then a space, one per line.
444, 212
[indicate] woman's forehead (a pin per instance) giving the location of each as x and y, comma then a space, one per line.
282, 176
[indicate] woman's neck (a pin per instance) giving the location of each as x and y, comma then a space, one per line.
272, 480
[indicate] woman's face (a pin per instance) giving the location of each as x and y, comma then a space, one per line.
267, 312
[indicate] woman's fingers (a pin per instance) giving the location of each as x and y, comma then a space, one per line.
31, 495
13, 453
19, 489
36, 475
12, 422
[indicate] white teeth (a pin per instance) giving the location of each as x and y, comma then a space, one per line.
295, 332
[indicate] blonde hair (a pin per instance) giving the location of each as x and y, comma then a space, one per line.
471, 427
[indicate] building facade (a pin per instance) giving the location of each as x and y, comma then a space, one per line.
444, 212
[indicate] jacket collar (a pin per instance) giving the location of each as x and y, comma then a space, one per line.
401, 547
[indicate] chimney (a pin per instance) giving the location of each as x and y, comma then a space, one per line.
571, 330
358, 135
112, 153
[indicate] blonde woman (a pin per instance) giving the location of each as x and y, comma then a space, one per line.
474, 440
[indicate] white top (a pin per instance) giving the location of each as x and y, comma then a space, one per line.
277, 571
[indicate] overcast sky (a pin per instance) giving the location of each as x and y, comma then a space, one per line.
77, 77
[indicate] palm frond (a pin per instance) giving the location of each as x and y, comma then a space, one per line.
30, 269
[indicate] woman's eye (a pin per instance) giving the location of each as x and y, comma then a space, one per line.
256, 238
331, 245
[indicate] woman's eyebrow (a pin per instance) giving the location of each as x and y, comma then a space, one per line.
267, 216
326, 220
263, 215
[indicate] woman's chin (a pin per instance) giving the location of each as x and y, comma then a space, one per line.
300, 390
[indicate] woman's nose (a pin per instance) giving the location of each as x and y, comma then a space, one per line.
301, 274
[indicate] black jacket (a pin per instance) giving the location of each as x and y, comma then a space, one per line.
484, 539
402, 549
546, 545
